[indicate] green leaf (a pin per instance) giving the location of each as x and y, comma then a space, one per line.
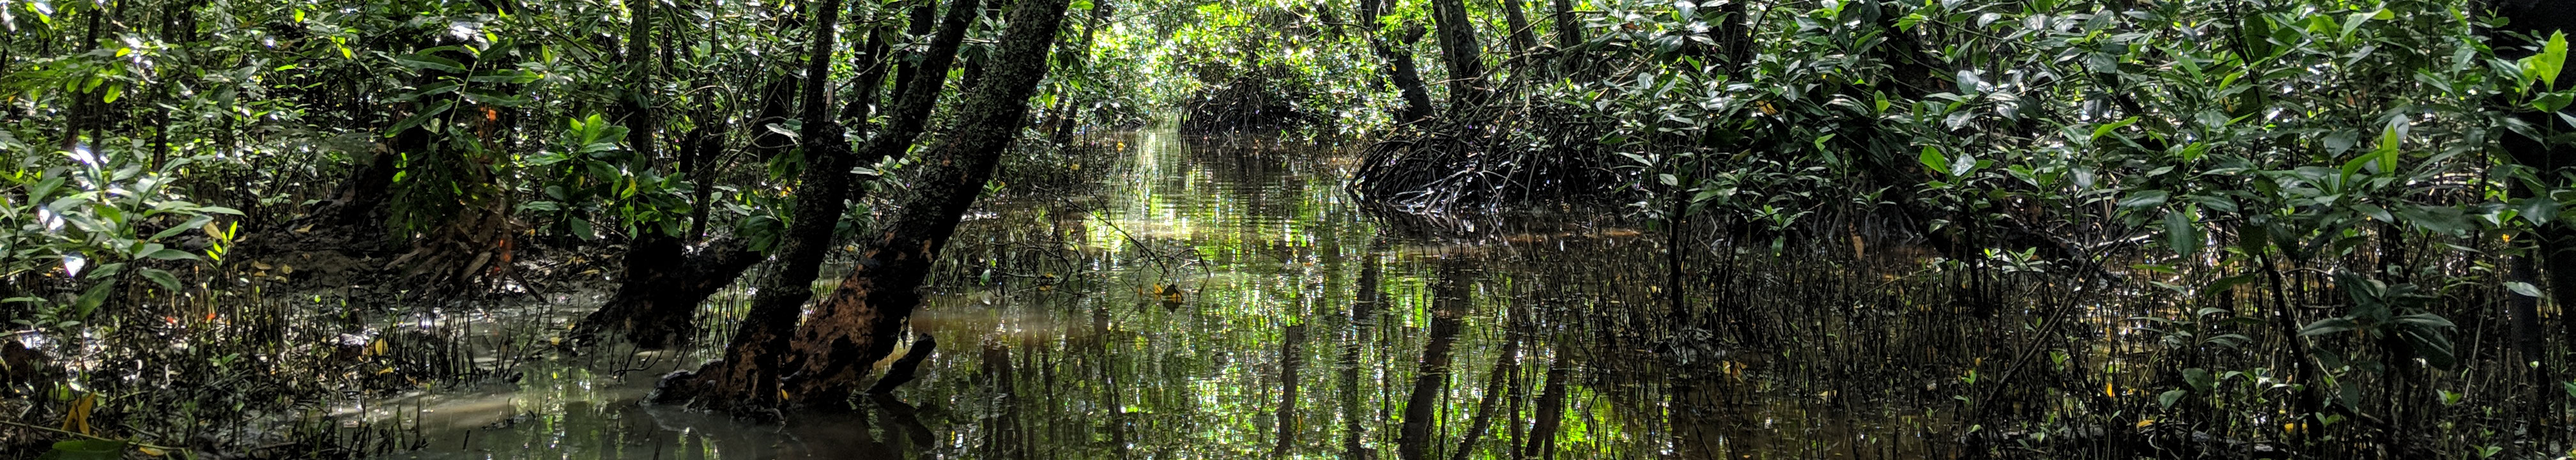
426, 61
1931, 158
2329, 326
2181, 233
2551, 60
2170, 397
2538, 210
2353, 22
192, 223
2526, 289
2144, 199
162, 277
171, 254
89, 300
2198, 378
417, 119
2427, 320
2374, 212
2389, 139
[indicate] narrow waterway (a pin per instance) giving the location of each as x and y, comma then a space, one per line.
1223, 298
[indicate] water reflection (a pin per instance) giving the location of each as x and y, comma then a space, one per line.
1222, 298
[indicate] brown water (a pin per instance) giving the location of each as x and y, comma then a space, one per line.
1225, 299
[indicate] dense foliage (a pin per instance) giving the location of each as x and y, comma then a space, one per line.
2342, 217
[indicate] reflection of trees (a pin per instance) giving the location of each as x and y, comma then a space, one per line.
1363, 315
1267, 177
1430, 382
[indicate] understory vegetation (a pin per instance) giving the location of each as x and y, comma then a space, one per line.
2295, 228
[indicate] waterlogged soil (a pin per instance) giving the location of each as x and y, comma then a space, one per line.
1224, 298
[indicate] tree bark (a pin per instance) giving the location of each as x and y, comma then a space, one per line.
775, 362
658, 293
1463, 53
1522, 37
807, 240
906, 367
917, 23
921, 93
1567, 35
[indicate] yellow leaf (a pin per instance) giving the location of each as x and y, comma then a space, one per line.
2142, 423
152, 451
2106, 390
77, 419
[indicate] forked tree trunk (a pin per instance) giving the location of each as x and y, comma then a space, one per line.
656, 302
808, 238
777, 363
919, 94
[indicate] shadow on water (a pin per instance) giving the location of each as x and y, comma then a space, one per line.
1223, 298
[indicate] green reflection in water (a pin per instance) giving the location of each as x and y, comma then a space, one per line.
1171, 311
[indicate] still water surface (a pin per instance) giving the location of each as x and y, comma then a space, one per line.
1223, 298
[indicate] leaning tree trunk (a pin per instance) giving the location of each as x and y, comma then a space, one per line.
918, 94
658, 293
775, 362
